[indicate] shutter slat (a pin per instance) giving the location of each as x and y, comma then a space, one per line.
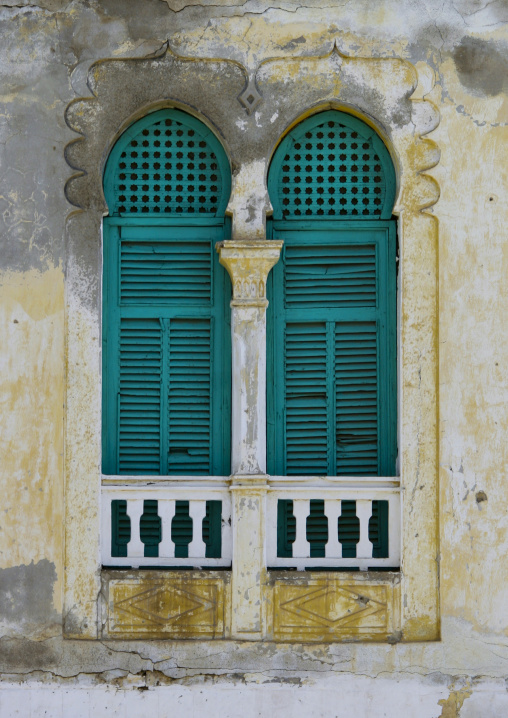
166, 271
332, 276
305, 395
139, 398
356, 407
189, 409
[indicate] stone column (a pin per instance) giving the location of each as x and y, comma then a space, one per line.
248, 264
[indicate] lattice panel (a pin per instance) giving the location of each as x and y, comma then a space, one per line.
167, 168
331, 171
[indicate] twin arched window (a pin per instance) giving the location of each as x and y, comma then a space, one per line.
331, 350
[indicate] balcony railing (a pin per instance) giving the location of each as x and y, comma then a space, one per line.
337, 523
165, 534
333, 523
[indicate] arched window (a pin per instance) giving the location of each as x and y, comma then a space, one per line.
332, 313
166, 317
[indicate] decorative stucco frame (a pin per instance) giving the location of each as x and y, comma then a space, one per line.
377, 90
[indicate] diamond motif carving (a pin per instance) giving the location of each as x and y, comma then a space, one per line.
250, 97
325, 609
173, 607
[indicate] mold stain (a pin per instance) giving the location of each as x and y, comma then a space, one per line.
482, 66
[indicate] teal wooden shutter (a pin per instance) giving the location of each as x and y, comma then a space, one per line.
190, 396
167, 373
332, 315
166, 316
332, 351
357, 377
140, 401
306, 398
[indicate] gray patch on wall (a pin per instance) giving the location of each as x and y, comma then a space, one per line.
26, 596
482, 66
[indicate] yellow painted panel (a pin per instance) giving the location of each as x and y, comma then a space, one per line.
331, 609
175, 606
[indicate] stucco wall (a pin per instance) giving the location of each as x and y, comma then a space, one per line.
460, 50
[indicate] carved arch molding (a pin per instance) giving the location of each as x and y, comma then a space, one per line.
249, 116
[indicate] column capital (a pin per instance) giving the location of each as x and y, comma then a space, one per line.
248, 263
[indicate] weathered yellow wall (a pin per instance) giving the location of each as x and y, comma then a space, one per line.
460, 51
31, 421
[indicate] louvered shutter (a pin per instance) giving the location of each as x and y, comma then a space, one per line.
166, 316
189, 396
331, 351
166, 350
306, 420
139, 396
356, 398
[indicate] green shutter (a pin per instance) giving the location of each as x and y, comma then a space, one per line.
166, 319
332, 351
165, 271
189, 409
306, 421
139, 397
166, 349
331, 333
356, 398
336, 276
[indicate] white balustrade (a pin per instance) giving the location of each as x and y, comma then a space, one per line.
194, 490
301, 490
333, 491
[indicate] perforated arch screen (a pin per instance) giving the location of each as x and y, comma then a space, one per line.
332, 166
168, 163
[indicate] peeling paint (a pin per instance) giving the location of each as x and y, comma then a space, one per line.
451, 706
